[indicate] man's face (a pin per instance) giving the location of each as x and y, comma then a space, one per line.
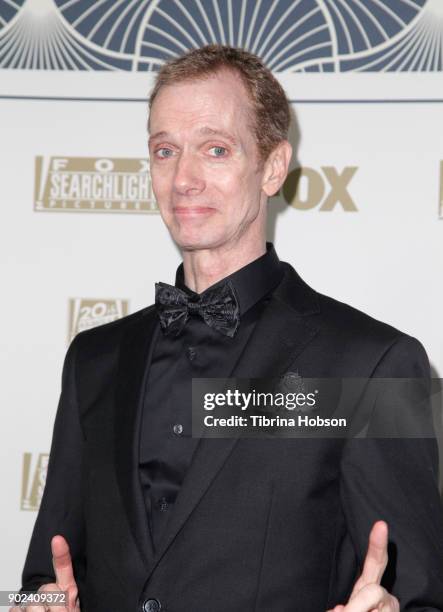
205, 166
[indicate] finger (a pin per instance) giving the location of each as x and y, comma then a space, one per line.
391, 604
27, 608
43, 608
62, 562
45, 588
51, 587
72, 599
71, 604
64, 573
376, 556
370, 597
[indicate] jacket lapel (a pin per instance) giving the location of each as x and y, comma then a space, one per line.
281, 334
135, 357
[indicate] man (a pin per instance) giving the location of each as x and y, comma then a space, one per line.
157, 520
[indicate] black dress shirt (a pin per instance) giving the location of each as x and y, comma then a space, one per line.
166, 442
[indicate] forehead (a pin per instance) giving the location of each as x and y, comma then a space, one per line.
220, 100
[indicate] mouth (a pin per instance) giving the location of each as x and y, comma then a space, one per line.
189, 211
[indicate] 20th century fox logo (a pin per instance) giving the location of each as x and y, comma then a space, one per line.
86, 313
33, 480
90, 184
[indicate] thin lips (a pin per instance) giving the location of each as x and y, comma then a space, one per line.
191, 208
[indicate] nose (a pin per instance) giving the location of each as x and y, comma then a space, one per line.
188, 179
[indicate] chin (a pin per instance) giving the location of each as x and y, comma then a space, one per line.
194, 245
191, 235
190, 241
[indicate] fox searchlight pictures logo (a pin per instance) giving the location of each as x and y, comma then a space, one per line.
92, 184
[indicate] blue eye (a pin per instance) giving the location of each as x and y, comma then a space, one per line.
163, 152
218, 151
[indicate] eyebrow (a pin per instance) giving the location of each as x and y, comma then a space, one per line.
204, 131
157, 136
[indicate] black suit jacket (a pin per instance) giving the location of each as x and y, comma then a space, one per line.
259, 525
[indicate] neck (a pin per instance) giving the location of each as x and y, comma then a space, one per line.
204, 267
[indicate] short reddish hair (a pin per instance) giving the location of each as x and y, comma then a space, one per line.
268, 100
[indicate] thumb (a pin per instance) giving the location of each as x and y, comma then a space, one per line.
62, 562
377, 555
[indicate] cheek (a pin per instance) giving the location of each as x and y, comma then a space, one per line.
243, 193
233, 185
161, 186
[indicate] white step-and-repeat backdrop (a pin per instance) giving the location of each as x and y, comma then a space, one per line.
366, 224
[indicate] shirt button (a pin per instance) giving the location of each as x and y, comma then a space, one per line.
151, 605
178, 429
191, 352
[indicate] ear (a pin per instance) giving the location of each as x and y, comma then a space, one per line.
276, 168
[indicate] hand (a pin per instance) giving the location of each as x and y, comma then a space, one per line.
64, 579
367, 594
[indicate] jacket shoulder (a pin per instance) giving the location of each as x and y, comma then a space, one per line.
106, 337
352, 336
351, 321
359, 333
331, 314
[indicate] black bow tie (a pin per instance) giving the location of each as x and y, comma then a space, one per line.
218, 308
